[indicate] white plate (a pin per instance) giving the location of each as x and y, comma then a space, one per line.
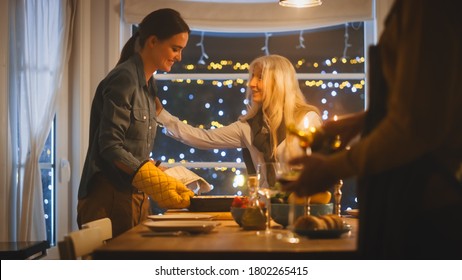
353, 212
180, 216
189, 226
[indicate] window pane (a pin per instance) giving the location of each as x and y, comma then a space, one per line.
224, 181
48, 202
209, 101
47, 167
313, 49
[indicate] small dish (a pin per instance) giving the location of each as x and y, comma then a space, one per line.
324, 234
188, 226
181, 216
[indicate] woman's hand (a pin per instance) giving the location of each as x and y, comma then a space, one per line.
315, 177
347, 127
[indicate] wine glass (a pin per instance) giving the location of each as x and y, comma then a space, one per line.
272, 176
313, 139
266, 173
287, 173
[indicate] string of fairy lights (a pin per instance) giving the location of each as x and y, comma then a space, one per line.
301, 64
301, 44
332, 87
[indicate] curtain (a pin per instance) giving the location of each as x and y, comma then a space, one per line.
252, 15
38, 51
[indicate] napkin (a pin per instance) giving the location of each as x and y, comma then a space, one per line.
193, 181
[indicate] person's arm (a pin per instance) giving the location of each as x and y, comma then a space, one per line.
230, 136
115, 120
348, 127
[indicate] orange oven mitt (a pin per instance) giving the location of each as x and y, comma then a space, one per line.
167, 191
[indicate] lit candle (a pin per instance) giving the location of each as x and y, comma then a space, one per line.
306, 123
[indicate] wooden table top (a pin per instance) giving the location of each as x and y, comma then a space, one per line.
226, 241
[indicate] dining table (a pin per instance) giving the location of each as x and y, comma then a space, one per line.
225, 241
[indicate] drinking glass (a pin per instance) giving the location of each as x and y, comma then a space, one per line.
287, 173
266, 173
271, 177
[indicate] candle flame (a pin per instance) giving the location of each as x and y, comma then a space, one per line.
306, 123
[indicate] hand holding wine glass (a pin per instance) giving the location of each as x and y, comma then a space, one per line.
322, 141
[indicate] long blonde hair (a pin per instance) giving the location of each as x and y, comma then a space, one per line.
282, 96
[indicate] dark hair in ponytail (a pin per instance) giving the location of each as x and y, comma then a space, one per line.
162, 23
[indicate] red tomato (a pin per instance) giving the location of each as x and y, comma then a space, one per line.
240, 202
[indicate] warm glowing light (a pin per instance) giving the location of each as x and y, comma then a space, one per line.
306, 123
224, 65
239, 180
358, 86
300, 3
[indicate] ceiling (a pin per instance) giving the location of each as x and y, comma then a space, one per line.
253, 15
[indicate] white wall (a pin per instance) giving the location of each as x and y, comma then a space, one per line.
382, 7
95, 51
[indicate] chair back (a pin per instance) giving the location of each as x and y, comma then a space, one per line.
105, 226
80, 244
65, 250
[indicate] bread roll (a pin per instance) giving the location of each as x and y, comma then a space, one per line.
310, 223
324, 222
333, 221
331, 224
339, 223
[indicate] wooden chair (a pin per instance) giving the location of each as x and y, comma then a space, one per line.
80, 244
104, 224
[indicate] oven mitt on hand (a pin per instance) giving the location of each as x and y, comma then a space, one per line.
167, 191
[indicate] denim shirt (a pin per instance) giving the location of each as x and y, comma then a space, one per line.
122, 124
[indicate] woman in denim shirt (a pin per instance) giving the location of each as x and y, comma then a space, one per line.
123, 123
